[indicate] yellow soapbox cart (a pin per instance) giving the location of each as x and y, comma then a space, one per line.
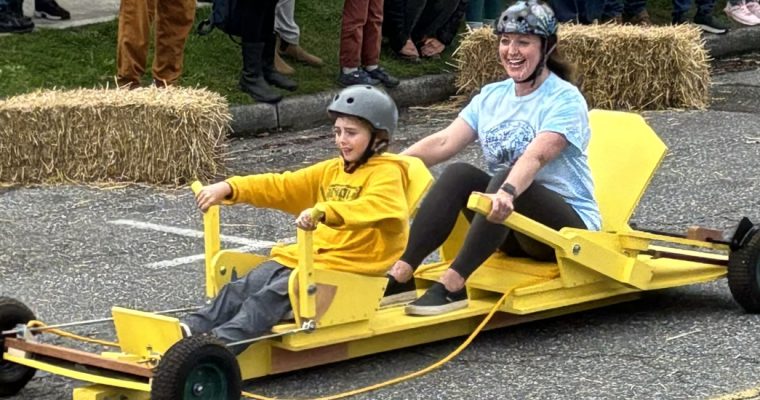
337, 315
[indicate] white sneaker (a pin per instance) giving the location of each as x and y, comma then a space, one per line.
741, 14
753, 7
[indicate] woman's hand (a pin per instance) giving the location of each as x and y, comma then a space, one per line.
212, 195
305, 221
501, 206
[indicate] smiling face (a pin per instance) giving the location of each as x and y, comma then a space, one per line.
519, 54
352, 136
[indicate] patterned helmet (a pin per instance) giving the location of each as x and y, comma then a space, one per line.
528, 17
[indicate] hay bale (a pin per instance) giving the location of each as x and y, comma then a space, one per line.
160, 136
619, 67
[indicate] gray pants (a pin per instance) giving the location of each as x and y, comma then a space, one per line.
246, 308
285, 23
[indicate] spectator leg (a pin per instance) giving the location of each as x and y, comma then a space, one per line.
352, 32
434, 16
284, 22
132, 41
174, 20
372, 36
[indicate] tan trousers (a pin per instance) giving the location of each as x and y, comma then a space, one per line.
172, 21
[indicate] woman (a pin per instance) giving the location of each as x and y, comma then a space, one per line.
534, 132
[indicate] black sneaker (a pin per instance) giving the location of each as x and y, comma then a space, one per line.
10, 23
382, 76
437, 300
49, 9
358, 77
709, 23
396, 292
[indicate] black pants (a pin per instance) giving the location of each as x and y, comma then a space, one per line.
448, 196
415, 19
257, 22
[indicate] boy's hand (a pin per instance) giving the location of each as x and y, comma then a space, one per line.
212, 195
305, 221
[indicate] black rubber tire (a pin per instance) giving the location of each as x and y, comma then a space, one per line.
197, 367
13, 377
744, 275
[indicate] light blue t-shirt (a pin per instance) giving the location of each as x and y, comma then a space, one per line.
505, 124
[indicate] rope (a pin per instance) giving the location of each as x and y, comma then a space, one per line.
412, 375
62, 333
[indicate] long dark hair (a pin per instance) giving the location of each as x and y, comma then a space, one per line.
558, 64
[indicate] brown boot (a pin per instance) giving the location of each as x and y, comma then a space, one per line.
281, 66
297, 53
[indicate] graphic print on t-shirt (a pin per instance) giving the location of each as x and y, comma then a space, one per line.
504, 143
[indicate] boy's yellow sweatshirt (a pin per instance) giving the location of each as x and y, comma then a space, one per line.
366, 215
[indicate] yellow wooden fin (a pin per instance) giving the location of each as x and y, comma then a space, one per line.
145, 334
623, 154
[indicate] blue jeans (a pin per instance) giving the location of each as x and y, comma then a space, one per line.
681, 7
629, 8
580, 11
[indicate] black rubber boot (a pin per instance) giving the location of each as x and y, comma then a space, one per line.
270, 73
252, 78
12, 20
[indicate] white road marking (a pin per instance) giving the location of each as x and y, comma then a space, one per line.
198, 257
249, 245
189, 232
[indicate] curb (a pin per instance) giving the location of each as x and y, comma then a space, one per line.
302, 112
306, 111
741, 40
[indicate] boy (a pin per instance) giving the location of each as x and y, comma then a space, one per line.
364, 229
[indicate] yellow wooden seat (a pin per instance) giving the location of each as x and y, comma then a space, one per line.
624, 152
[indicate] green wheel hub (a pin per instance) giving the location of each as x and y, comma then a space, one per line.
206, 381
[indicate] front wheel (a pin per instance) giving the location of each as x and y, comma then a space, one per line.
197, 367
744, 275
13, 377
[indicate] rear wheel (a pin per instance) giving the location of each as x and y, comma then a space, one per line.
13, 377
744, 275
198, 367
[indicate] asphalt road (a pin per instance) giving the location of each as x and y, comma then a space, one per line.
71, 252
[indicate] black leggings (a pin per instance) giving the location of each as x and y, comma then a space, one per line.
448, 196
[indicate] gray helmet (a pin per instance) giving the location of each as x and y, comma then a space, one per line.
528, 17
369, 103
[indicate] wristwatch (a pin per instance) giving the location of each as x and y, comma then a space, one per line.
509, 189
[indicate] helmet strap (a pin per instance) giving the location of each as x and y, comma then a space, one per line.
545, 52
372, 147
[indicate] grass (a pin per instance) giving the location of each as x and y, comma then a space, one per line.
86, 56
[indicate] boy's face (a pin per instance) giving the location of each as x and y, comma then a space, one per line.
352, 137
